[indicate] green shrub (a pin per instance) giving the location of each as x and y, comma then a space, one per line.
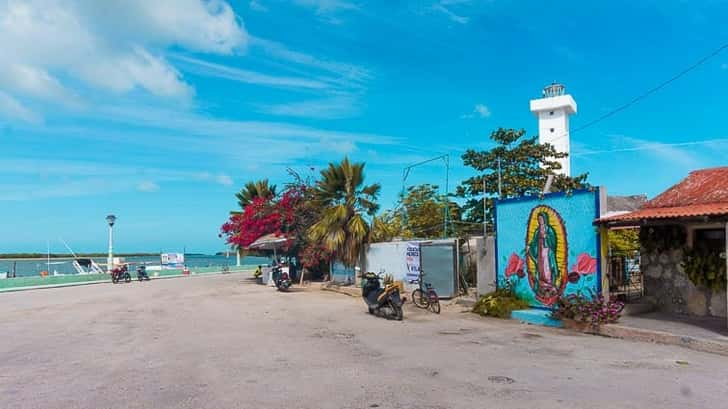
499, 303
705, 269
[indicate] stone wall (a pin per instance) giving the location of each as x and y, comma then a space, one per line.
666, 282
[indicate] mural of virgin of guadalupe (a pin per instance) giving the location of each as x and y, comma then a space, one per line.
544, 247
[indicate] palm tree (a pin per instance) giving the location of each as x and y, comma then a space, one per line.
346, 203
253, 190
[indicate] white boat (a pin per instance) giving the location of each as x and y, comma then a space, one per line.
87, 266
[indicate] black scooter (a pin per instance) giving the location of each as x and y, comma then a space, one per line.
142, 273
385, 302
281, 279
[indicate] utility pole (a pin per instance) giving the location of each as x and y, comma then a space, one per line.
485, 208
405, 174
447, 200
500, 193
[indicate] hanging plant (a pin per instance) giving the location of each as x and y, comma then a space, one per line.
705, 269
662, 238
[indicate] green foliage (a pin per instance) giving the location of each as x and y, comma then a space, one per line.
499, 303
346, 203
662, 238
387, 226
624, 242
521, 172
420, 214
705, 268
255, 189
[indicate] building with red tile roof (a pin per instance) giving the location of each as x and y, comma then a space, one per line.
683, 248
702, 195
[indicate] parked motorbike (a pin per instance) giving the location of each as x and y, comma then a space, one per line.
385, 302
120, 273
281, 279
142, 273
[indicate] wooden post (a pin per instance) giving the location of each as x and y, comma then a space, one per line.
604, 256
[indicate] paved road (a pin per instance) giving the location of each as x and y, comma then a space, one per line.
222, 342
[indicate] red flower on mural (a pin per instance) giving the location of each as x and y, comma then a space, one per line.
585, 264
573, 277
515, 266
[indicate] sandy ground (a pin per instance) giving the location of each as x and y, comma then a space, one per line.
224, 342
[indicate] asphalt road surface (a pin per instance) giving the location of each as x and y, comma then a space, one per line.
224, 342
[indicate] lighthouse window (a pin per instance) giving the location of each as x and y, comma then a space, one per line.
552, 130
551, 112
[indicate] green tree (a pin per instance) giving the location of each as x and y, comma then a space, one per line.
251, 190
424, 211
346, 204
521, 159
624, 242
388, 226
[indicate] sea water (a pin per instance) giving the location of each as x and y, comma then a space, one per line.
25, 267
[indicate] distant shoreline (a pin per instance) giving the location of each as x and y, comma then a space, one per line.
39, 256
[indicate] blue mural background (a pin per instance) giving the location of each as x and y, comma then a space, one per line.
577, 212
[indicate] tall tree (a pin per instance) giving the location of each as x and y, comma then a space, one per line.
254, 189
524, 167
388, 226
424, 211
346, 204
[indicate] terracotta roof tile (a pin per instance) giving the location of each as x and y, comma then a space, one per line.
703, 193
712, 209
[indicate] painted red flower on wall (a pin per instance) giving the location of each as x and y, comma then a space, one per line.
515, 266
585, 264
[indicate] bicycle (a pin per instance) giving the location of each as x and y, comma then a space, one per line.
426, 299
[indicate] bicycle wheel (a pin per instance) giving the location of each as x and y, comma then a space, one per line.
419, 298
434, 303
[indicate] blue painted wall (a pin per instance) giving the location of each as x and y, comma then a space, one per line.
548, 247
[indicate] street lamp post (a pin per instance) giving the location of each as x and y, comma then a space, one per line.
111, 219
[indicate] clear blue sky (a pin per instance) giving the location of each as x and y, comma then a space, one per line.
159, 111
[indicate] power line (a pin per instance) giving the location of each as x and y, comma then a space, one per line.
647, 93
652, 146
654, 89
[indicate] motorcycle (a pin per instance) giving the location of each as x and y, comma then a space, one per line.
281, 279
142, 273
120, 273
385, 301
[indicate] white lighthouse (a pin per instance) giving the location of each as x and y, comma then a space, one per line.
553, 111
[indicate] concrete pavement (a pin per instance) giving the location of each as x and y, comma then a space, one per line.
224, 342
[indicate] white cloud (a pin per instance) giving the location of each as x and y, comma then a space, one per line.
245, 76
443, 7
328, 10
327, 6
480, 111
72, 188
65, 178
11, 109
148, 186
224, 180
277, 133
35, 83
347, 74
339, 146
112, 45
676, 154
257, 6
327, 108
